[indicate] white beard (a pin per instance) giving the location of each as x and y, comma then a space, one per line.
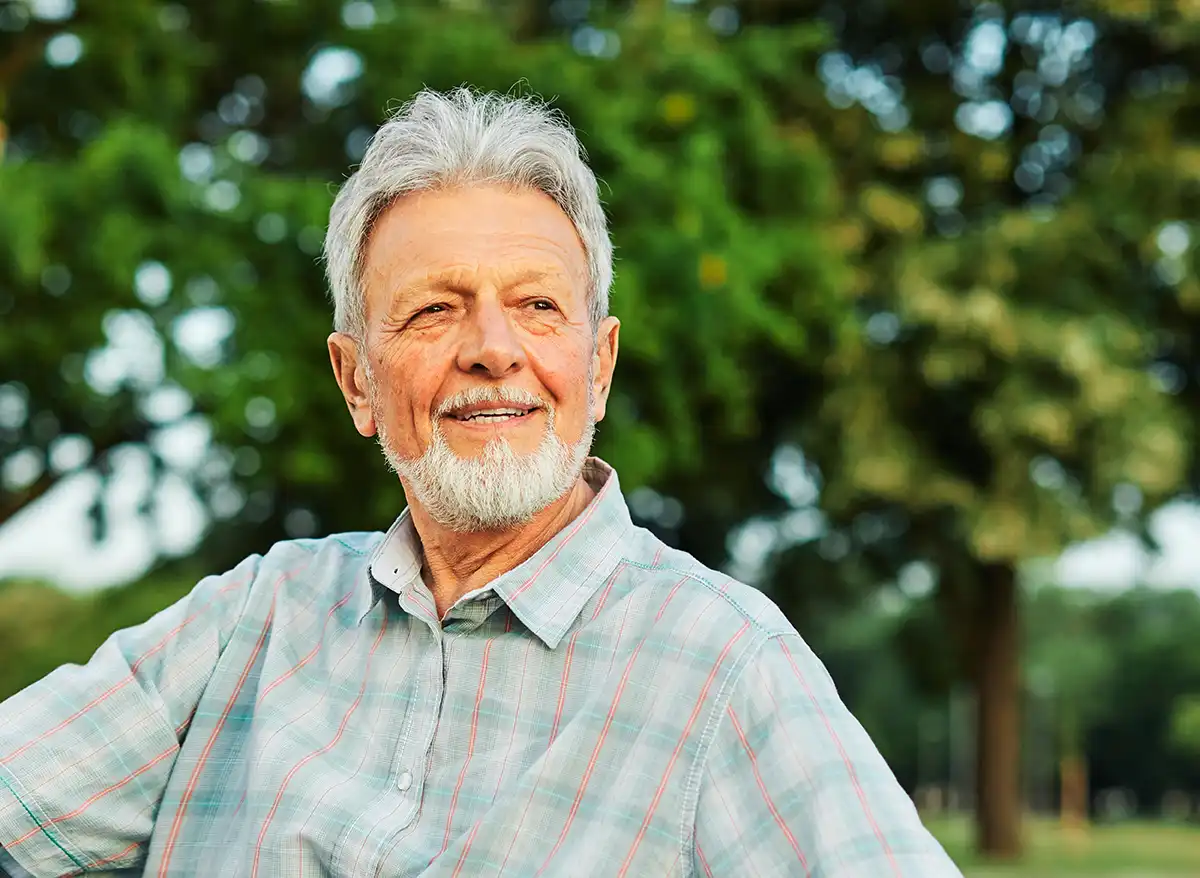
498, 489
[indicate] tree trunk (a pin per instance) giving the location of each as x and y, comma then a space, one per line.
998, 753
1073, 796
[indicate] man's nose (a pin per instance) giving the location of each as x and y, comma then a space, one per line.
491, 347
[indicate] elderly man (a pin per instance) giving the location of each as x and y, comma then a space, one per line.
514, 679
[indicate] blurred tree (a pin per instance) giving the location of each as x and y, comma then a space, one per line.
1017, 179
1155, 650
169, 186
1070, 665
1185, 726
1001, 420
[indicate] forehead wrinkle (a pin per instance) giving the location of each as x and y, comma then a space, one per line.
461, 280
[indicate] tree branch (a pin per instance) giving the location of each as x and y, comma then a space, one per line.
30, 46
13, 503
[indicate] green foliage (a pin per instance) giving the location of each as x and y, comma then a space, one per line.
1069, 663
720, 200
1003, 381
1155, 668
1185, 725
759, 232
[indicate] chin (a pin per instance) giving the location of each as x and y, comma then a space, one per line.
492, 486
495, 446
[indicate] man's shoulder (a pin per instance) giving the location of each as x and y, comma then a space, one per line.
298, 565
351, 546
686, 586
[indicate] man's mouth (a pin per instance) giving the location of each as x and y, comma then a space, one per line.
491, 414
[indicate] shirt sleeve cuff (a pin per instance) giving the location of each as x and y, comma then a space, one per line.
42, 853
10, 868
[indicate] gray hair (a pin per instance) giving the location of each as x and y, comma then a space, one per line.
459, 138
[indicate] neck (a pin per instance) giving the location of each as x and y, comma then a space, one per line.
457, 563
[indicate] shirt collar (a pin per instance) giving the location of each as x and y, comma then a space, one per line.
549, 590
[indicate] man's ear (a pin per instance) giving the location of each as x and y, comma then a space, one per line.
352, 380
604, 362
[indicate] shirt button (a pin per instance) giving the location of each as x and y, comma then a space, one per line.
404, 781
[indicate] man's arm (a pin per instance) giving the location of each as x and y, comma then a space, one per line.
793, 785
85, 753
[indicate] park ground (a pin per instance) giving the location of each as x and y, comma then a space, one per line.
1128, 850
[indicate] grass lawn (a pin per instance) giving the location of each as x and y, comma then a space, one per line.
1128, 850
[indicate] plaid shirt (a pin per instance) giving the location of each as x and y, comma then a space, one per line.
609, 707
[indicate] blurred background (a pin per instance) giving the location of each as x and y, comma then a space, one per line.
911, 342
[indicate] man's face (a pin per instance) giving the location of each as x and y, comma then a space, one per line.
480, 363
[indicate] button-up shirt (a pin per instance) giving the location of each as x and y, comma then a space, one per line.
609, 707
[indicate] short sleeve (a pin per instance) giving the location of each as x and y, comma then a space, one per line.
86, 752
794, 786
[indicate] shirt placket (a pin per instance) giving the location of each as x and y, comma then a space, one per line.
463, 618
368, 846
410, 765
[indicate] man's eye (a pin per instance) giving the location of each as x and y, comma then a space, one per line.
542, 305
437, 309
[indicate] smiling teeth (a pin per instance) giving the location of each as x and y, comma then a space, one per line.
495, 413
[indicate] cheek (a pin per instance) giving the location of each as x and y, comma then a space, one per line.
407, 388
565, 376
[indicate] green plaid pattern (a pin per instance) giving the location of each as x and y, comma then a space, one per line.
610, 707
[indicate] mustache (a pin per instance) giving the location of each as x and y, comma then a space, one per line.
497, 394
